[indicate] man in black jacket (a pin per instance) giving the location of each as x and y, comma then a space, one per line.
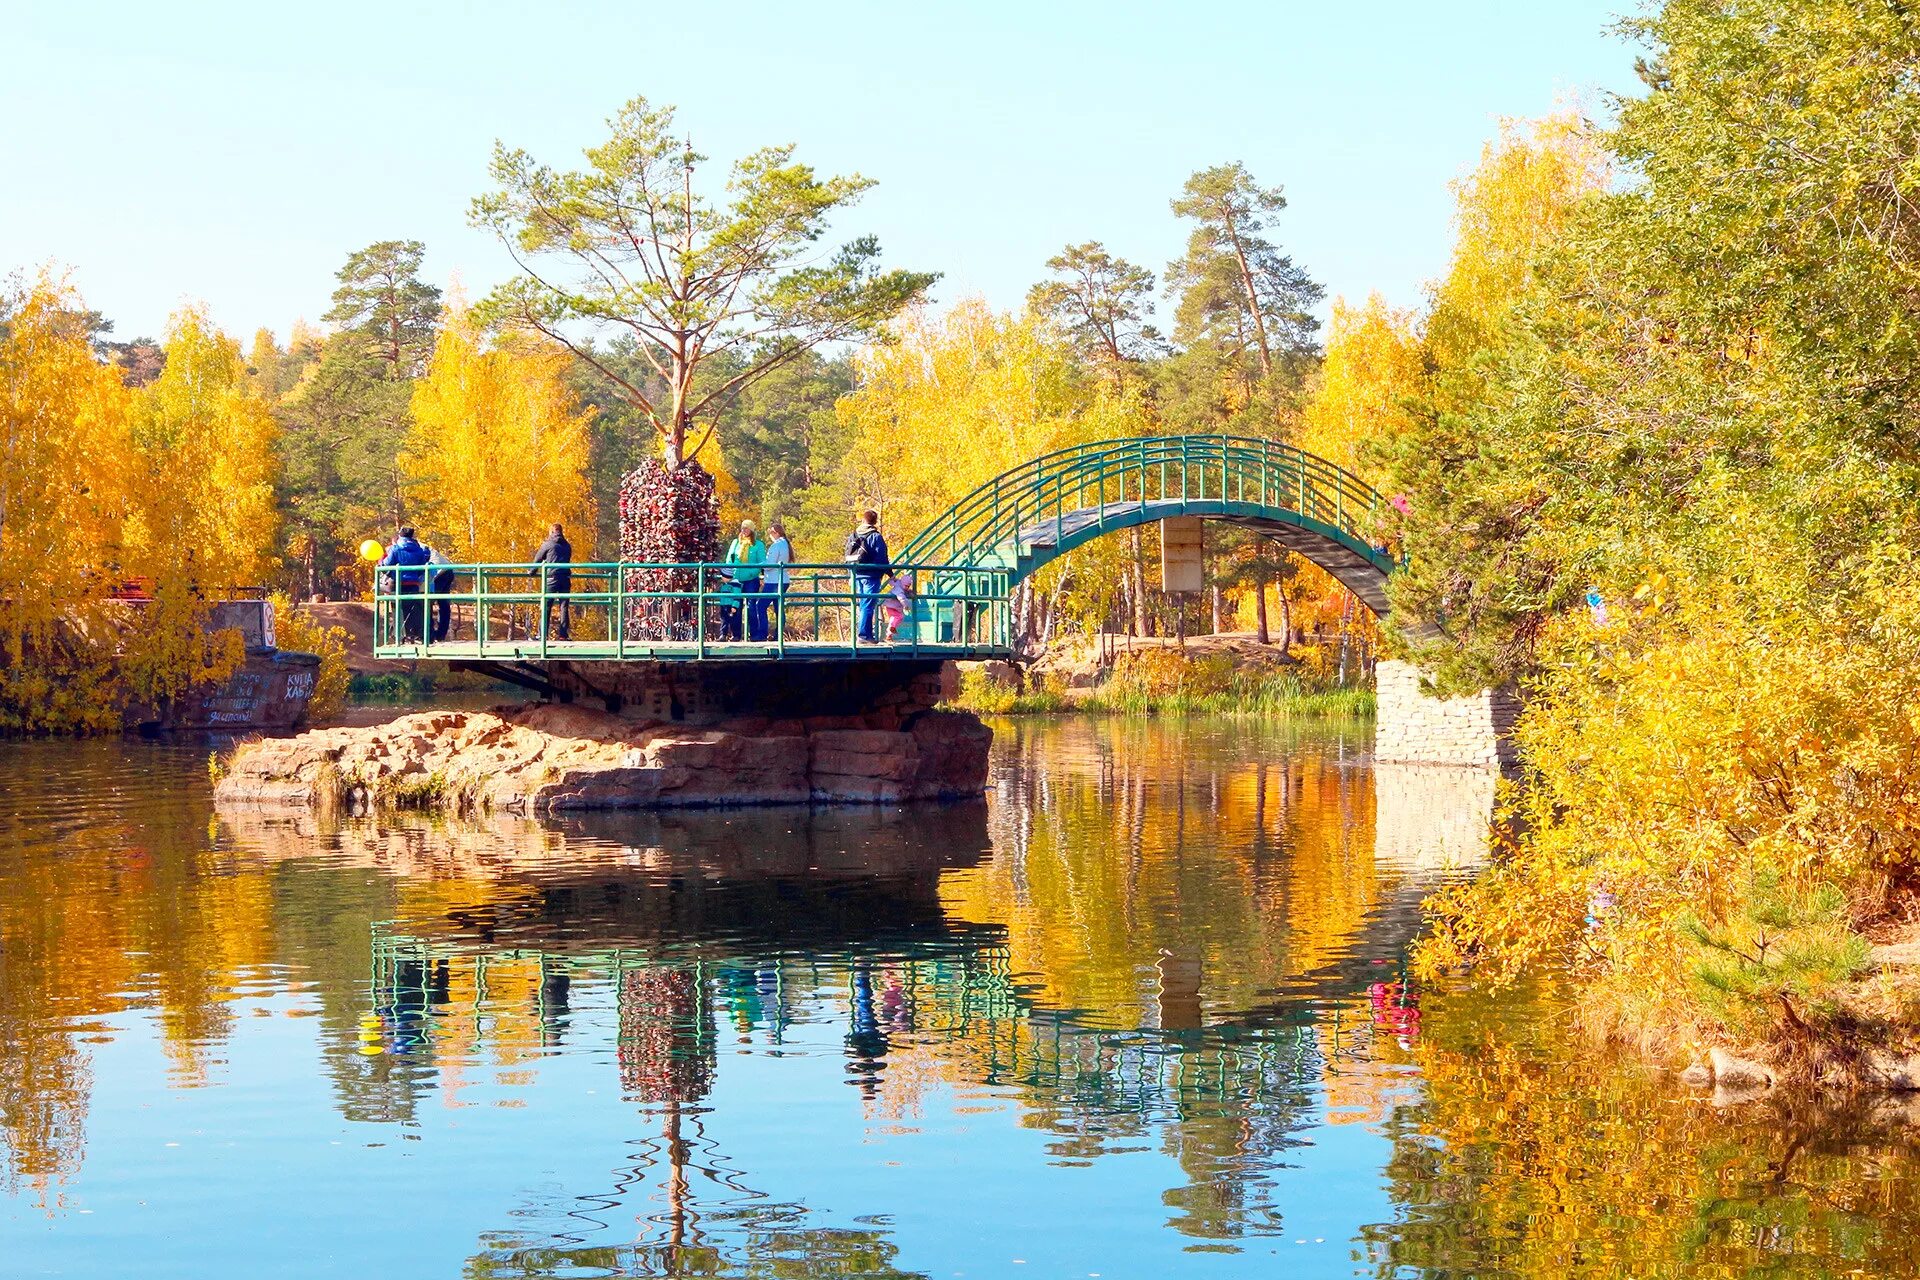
556, 550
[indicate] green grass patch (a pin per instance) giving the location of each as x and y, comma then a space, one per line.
1281, 694
403, 686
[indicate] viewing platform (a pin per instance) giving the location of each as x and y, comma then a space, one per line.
633, 612
960, 573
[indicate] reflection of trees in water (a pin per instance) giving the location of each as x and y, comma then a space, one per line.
1232, 867
111, 901
1153, 954
1530, 1152
1225, 1103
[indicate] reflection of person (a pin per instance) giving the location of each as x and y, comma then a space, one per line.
415, 989
867, 553
408, 555
866, 1039
556, 550
1396, 1011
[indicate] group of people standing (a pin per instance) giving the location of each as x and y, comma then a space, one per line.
751, 600
414, 563
754, 592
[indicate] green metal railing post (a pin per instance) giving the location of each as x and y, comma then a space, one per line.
700, 609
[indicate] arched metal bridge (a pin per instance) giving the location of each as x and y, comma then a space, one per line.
964, 566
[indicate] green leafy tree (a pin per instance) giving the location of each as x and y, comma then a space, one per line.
1489, 455
1101, 302
382, 301
630, 246
1236, 290
781, 435
347, 412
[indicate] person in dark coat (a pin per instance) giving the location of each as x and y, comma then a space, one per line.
440, 582
556, 550
406, 554
867, 556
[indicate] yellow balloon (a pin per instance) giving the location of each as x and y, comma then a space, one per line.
371, 551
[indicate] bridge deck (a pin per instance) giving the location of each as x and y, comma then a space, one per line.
531, 650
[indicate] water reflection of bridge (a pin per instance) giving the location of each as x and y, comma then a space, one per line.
1169, 935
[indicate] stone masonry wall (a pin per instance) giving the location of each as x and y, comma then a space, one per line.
885, 692
1410, 726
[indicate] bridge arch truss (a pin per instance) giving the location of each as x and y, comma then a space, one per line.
1030, 516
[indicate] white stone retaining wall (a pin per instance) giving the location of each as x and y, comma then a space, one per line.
1409, 726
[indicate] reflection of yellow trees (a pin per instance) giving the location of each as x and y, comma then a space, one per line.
219, 937
1239, 874
1157, 882
99, 916
1532, 1155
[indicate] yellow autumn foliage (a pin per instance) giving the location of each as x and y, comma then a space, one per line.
1531, 182
959, 398
298, 632
1375, 367
498, 450
63, 432
170, 487
1703, 772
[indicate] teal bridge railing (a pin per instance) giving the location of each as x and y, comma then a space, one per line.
962, 568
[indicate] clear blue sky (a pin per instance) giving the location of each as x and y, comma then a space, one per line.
234, 153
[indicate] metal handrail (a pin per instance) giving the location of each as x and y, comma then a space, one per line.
621, 609
965, 563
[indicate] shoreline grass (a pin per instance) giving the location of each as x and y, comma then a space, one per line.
1278, 696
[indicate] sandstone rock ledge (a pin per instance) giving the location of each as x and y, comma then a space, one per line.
545, 758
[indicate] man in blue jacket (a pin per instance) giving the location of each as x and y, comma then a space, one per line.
409, 556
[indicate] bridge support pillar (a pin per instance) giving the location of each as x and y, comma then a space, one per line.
882, 692
1413, 727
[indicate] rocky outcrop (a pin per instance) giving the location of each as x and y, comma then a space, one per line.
548, 758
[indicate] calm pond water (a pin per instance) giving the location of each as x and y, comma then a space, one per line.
1142, 1013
